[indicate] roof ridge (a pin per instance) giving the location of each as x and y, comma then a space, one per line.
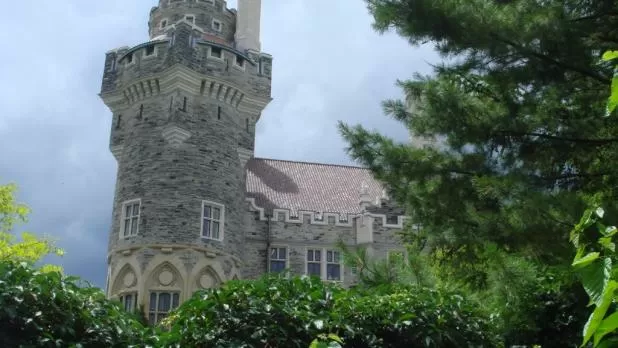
312, 163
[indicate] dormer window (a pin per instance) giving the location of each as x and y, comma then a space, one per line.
190, 19
216, 52
217, 25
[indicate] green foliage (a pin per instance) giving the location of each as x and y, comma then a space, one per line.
513, 111
279, 312
595, 262
30, 248
49, 310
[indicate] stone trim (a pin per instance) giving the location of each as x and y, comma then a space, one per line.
143, 89
179, 77
174, 247
317, 218
175, 135
244, 155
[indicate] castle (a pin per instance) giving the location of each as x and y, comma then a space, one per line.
193, 207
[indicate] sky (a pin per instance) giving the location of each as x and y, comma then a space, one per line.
329, 66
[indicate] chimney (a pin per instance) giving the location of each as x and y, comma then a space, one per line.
248, 25
365, 198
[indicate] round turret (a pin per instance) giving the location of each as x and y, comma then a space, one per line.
184, 108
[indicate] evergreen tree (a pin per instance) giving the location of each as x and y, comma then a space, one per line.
514, 112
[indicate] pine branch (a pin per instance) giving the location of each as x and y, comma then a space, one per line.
593, 142
549, 59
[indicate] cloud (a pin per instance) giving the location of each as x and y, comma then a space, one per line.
329, 65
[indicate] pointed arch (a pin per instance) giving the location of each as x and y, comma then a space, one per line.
126, 279
165, 276
207, 278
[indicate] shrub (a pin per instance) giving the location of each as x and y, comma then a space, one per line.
46, 309
279, 312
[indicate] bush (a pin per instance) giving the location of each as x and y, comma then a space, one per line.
279, 312
46, 309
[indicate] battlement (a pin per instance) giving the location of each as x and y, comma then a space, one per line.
211, 16
222, 71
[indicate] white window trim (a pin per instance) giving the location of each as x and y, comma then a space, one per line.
324, 262
237, 66
153, 55
212, 25
123, 217
287, 255
190, 15
222, 58
221, 220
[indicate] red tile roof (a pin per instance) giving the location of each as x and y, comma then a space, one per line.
316, 187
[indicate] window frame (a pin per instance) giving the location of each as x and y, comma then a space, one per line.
123, 218
156, 313
122, 297
285, 259
212, 25
307, 262
328, 263
240, 66
154, 51
324, 263
192, 16
128, 62
221, 220
221, 58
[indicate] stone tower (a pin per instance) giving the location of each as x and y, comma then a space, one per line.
184, 107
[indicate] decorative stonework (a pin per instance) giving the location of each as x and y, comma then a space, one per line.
208, 279
166, 277
129, 279
175, 135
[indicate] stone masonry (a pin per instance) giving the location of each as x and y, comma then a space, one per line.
184, 106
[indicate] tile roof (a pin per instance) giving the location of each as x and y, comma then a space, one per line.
308, 186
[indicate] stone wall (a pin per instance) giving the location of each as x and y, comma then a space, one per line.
311, 233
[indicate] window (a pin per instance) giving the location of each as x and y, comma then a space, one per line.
113, 64
217, 25
161, 303
333, 265
130, 218
190, 19
212, 220
314, 262
149, 51
163, 24
129, 301
278, 257
129, 58
216, 52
